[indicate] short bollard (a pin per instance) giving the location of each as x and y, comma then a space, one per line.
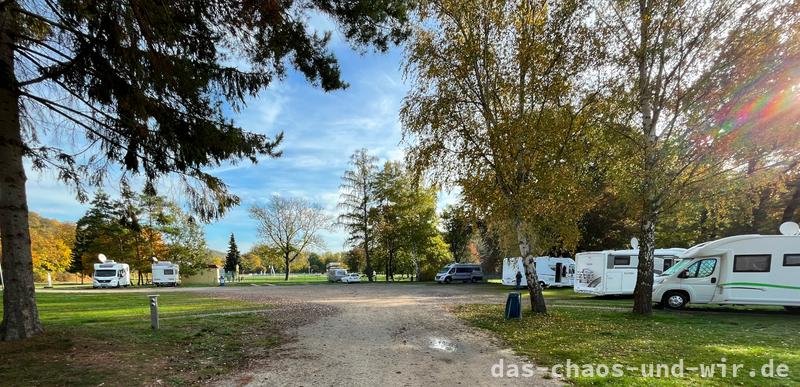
154, 311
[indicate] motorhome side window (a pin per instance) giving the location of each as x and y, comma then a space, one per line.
752, 263
791, 260
622, 260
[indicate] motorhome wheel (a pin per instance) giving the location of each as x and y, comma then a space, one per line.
447, 280
542, 284
675, 300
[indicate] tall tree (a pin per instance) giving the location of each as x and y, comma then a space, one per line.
146, 85
457, 231
357, 202
291, 226
685, 71
233, 257
496, 108
406, 230
98, 231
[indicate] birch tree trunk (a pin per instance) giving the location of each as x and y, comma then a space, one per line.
529, 262
643, 293
20, 315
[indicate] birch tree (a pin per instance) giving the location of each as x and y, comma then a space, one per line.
291, 226
676, 62
499, 106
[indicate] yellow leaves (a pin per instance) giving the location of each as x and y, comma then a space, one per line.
51, 243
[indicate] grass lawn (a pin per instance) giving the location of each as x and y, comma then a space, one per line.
105, 338
608, 336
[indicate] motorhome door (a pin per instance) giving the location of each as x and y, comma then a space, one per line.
559, 266
701, 278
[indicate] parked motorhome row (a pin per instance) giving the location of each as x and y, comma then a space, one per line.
552, 271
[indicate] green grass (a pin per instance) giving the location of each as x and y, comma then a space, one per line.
610, 336
106, 338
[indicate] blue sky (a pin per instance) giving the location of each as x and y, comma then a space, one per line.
321, 130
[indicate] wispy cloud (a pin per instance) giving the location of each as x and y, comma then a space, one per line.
321, 131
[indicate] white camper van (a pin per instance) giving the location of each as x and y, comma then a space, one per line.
613, 272
166, 274
552, 271
110, 274
464, 272
743, 270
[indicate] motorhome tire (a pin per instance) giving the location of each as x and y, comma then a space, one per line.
675, 299
448, 280
542, 284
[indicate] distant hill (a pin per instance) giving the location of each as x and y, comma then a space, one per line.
217, 253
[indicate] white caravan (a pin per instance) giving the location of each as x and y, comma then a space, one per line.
166, 274
613, 272
740, 270
552, 271
110, 274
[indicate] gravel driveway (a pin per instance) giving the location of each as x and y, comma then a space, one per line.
380, 334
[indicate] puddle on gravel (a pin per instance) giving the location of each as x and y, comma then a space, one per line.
441, 344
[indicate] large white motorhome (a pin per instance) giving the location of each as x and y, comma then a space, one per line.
739, 270
110, 274
552, 271
614, 272
166, 274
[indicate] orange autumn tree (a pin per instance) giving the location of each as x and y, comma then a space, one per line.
51, 244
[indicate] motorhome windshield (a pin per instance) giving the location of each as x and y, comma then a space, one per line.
684, 263
105, 273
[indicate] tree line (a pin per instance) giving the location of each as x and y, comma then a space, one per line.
133, 230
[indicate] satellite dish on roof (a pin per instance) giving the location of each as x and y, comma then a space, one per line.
102, 258
790, 228
155, 260
635, 243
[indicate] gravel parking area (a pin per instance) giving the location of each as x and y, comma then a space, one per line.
378, 334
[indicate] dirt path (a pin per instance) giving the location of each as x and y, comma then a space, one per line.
381, 335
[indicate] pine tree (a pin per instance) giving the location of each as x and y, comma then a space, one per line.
233, 258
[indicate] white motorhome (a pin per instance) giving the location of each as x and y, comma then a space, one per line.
739, 270
552, 271
336, 274
166, 274
614, 272
110, 274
